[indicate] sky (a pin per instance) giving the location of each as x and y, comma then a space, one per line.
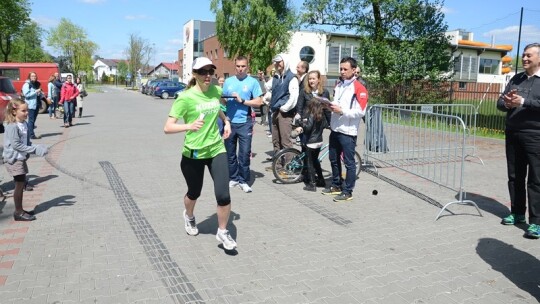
109, 23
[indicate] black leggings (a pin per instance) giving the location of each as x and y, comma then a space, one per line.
314, 170
193, 171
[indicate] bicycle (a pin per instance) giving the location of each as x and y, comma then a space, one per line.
288, 164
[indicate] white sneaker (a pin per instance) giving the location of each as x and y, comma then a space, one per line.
233, 184
246, 188
190, 225
225, 237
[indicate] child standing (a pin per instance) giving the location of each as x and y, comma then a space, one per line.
312, 127
17, 148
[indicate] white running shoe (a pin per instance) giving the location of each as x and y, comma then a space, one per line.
190, 225
233, 184
246, 188
225, 237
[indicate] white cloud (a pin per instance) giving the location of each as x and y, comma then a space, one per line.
136, 17
511, 33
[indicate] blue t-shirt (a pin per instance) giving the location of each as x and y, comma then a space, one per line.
247, 88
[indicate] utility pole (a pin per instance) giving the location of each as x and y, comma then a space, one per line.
519, 39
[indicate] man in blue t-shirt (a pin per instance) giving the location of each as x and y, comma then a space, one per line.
245, 93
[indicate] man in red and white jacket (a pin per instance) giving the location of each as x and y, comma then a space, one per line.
348, 108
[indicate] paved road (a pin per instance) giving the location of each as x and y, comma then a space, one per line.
110, 228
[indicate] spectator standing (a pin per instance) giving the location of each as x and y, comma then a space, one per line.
312, 88
312, 127
199, 107
54, 93
247, 94
68, 97
264, 106
81, 88
348, 108
521, 102
33, 94
16, 152
282, 103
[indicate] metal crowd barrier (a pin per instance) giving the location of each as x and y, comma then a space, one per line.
429, 141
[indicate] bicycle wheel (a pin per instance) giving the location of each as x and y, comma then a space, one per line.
287, 165
357, 161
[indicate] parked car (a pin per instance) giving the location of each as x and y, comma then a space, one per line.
177, 93
166, 89
7, 92
148, 87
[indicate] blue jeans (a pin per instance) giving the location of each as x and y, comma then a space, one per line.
69, 111
52, 107
32, 115
342, 144
241, 134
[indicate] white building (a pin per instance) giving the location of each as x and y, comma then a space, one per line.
105, 66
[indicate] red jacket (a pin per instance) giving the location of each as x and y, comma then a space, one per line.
68, 92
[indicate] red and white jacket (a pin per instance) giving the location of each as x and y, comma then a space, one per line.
352, 97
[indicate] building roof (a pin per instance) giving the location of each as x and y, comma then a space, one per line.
171, 66
112, 62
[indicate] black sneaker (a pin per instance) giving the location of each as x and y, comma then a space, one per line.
331, 191
343, 197
310, 188
24, 217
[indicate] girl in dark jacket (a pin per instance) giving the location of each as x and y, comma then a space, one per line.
313, 87
312, 126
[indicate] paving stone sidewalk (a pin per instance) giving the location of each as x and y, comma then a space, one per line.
108, 199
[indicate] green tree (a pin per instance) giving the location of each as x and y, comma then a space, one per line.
138, 53
27, 46
257, 29
399, 39
123, 69
14, 14
71, 40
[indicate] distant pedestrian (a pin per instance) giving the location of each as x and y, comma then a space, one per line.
16, 152
68, 97
54, 94
199, 107
80, 97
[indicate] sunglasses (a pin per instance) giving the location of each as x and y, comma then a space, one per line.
204, 72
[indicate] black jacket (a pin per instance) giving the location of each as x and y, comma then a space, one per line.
313, 130
303, 100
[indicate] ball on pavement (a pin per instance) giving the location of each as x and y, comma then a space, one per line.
375, 192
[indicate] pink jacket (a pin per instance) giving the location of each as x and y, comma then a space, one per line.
69, 92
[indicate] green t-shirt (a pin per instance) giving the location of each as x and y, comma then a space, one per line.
205, 143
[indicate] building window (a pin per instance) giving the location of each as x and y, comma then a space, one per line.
216, 54
462, 85
355, 54
489, 66
333, 55
307, 53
